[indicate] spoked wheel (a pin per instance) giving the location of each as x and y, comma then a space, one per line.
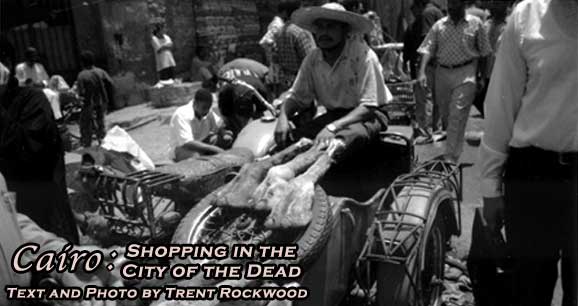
207, 224
420, 282
222, 226
432, 273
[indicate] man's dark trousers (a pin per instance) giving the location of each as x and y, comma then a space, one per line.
91, 122
356, 136
541, 195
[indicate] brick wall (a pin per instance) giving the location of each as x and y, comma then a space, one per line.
127, 38
180, 26
127, 27
89, 36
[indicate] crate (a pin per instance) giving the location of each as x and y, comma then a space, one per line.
401, 110
133, 204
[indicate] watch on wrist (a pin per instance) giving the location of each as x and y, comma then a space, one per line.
331, 128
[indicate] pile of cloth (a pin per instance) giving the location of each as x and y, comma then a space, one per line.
457, 284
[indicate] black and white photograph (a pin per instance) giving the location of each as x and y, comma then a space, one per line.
288, 153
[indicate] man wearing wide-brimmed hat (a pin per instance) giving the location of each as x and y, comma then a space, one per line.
342, 74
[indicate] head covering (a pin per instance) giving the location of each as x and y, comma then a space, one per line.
57, 83
305, 17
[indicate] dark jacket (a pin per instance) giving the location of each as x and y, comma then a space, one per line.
32, 160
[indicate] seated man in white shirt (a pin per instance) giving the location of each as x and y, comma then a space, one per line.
197, 130
343, 75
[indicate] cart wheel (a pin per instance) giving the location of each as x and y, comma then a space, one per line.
432, 273
204, 224
394, 286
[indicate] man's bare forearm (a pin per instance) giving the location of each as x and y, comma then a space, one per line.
425, 58
359, 114
289, 107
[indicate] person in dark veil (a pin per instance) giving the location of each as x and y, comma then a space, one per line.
32, 155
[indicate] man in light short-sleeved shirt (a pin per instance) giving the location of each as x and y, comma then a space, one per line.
197, 130
162, 44
343, 75
459, 44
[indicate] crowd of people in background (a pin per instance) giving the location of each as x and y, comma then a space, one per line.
521, 75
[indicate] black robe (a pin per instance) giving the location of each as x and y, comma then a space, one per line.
32, 160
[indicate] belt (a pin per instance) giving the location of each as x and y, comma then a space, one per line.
531, 163
545, 156
457, 65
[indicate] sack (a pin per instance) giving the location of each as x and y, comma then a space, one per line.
119, 140
488, 265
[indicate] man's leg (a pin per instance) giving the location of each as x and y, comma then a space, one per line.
421, 107
426, 119
434, 113
537, 219
99, 121
569, 268
481, 97
357, 137
459, 111
85, 124
165, 74
442, 90
422, 110
570, 248
170, 74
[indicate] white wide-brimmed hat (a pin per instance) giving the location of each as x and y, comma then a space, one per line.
305, 17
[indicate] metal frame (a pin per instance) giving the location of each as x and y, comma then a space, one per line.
408, 144
388, 234
127, 201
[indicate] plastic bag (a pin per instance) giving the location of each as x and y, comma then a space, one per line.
117, 139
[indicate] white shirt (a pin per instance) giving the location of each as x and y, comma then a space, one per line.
532, 98
4, 74
54, 100
186, 127
165, 58
355, 78
36, 73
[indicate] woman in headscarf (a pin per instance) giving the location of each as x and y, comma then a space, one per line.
31, 154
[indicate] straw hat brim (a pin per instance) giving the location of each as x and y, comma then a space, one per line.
305, 17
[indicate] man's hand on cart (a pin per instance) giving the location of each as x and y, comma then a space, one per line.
325, 136
282, 130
